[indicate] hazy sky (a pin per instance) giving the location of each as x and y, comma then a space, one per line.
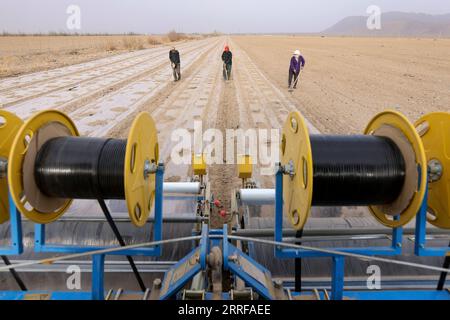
229, 16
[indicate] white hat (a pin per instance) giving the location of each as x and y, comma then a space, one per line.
297, 53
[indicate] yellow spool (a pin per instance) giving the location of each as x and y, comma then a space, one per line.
142, 148
297, 157
296, 153
400, 122
434, 130
17, 156
9, 127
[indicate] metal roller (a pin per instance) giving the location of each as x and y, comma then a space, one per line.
182, 188
257, 196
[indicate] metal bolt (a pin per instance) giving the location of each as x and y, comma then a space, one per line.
157, 284
194, 260
435, 170
399, 245
294, 124
289, 169
3, 167
278, 284
149, 168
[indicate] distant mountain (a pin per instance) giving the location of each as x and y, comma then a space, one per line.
399, 24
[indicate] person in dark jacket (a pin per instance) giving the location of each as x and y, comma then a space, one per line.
296, 65
227, 58
174, 57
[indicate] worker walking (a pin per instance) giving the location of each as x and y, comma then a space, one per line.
174, 57
227, 58
297, 64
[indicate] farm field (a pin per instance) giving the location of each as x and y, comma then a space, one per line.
25, 54
345, 83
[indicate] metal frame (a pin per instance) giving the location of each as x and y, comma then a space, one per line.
16, 243
40, 244
338, 272
230, 250
173, 281
213, 238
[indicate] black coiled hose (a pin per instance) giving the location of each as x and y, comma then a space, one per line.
81, 168
356, 170
85, 168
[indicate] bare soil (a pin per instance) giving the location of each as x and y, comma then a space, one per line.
348, 80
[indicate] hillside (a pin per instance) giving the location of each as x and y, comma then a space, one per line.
395, 24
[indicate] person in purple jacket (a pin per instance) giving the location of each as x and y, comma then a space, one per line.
297, 63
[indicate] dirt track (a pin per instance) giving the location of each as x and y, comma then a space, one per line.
345, 83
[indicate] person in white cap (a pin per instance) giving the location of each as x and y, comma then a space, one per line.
297, 63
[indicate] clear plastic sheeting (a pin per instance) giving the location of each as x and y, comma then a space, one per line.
321, 267
118, 272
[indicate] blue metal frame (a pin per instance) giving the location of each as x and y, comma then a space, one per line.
174, 283
386, 295
16, 243
98, 277
40, 244
337, 279
98, 261
230, 250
